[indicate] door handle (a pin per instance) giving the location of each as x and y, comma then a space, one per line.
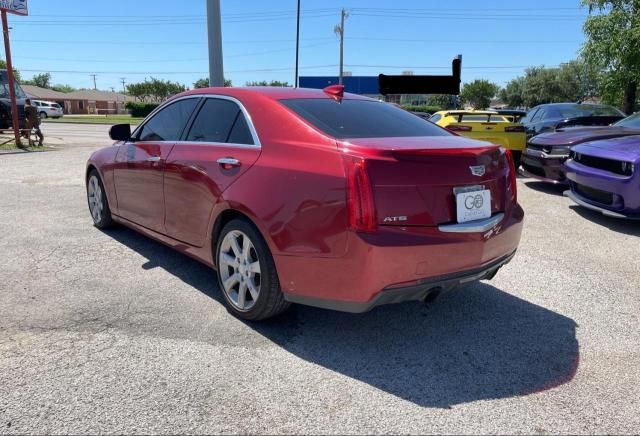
154, 159
228, 162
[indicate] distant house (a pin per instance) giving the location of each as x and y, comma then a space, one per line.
82, 102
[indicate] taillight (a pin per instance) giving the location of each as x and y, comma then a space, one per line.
514, 129
512, 176
360, 205
456, 128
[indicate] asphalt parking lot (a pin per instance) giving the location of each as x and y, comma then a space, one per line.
110, 332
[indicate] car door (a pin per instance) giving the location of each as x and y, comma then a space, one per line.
140, 163
219, 146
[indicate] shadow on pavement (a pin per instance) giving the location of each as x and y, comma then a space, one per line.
471, 344
547, 188
620, 225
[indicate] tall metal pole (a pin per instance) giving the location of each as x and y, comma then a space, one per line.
214, 23
297, 44
12, 86
340, 31
95, 86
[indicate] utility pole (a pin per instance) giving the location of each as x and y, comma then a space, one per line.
95, 86
123, 81
214, 24
339, 30
295, 82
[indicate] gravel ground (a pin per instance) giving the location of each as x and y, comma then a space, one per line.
110, 332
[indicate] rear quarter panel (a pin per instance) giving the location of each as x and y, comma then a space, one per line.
295, 192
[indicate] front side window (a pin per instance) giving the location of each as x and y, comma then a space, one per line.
361, 119
169, 122
220, 121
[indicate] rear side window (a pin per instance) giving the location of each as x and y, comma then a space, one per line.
220, 121
632, 121
539, 116
169, 122
361, 119
435, 118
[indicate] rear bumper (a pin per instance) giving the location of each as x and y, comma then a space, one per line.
417, 292
544, 167
622, 193
398, 264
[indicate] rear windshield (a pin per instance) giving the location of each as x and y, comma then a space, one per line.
361, 119
632, 121
587, 110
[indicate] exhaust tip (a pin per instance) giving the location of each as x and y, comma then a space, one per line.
432, 294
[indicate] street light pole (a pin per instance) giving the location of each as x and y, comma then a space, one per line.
295, 82
214, 24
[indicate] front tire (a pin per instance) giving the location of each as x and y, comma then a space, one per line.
98, 203
247, 274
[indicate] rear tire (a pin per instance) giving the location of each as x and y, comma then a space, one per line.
43, 115
517, 158
247, 274
98, 203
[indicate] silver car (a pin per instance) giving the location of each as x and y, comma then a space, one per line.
48, 109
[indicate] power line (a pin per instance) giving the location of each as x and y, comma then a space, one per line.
165, 60
167, 22
181, 43
149, 73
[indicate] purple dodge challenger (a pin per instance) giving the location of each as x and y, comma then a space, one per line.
545, 154
604, 175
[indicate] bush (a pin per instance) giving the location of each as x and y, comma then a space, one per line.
140, 110
422, 108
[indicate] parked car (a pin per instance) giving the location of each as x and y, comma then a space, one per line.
484, 126
553, 116
546, 153
604, 176
5, 103
309, 196
48, 109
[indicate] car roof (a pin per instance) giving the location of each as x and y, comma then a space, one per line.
271, 92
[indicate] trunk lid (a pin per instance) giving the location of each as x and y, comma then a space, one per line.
413, 178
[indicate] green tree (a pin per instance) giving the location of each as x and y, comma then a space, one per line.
63, 88
204, 83
444, 101
571, 82
16, 73
41, 80
613, 45
271, 83
479, 93
154, 89
512, 94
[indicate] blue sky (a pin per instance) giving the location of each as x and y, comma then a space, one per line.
167, 38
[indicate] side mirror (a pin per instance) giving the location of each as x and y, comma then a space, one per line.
120, 132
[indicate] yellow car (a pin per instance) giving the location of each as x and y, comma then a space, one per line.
485, 126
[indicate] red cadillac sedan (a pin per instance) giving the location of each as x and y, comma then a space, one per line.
315, 197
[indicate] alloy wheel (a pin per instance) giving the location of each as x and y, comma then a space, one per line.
240, 271
94, 192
